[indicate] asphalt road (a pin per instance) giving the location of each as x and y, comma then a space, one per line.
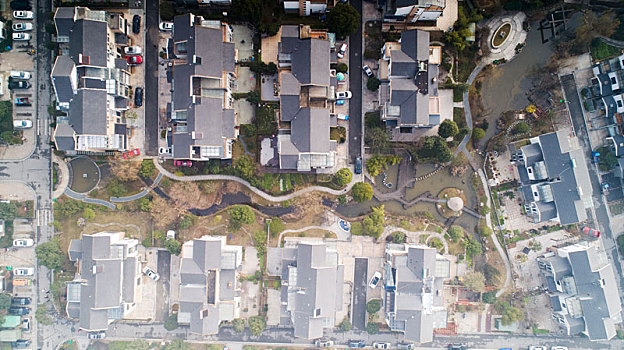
358, 306
151, 77
603, 224
162, 298
355, 85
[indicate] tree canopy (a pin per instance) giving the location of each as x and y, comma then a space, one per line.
374, 223
5, 301
448, 128
173, 246
456, 232
171, 322
256, 324
373, 84
475, 281
478, 134
377, 138
50, 255
435, 147
343, 177
245, 167
373, 306
521, 128
362, 192
343, 20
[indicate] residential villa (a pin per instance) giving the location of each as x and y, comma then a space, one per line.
583, 290
108, 280
410, 101
91, 81
554, 178
209, 284
202, 119
413, 297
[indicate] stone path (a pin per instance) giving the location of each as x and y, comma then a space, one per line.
253, 189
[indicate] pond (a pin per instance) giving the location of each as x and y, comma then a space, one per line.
502, 33
433, 185
84, 174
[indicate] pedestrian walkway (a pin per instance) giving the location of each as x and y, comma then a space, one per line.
138, 195
63, 176
83, 197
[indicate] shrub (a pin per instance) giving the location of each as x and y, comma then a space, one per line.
448, 128
88, 214
239, 325
171, 323
173, 246
456, 232
489, 297
147, 168
185, 223
345, 325
478, 134
242, 214
372, 328
373, 306
521, 128
343, 177
342, 67
256, 325
362, 192
373, 84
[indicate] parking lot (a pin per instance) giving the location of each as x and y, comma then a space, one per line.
17, 60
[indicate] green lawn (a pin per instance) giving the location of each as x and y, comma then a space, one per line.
600, 50
6, 116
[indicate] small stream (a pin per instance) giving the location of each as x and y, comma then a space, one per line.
239, 198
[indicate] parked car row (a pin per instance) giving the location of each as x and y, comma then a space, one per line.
358, 344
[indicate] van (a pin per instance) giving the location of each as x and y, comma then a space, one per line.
22, 282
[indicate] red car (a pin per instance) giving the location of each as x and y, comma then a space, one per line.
186, 163
134, 59
591, 232
135, 152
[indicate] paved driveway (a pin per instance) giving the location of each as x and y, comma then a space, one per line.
355, 85
358, 310
152, 37
162, 297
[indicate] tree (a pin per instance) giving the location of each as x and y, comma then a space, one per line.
362, 192
377, 139
242, 214
343, 20
398, 237
253, 97
435, 147
484, 210
373, 84
510, 314
171, 323
456, 233
8, 211
42, 316
375, 165
145, 204
374, 223
436, 243
478, 134
484, 229
372, 328
607, 159
178, 344
247, 10
489, 297
239, 325
343, 177
167, 11
245, 167
474, 281
88, 214
342, 67
521, 128
275, 226
50, 255
473, 247
373, 306
535, 245
447, 129
173, 246
185, 223
5, 301
147, 168
256, 325
345, 325
116, 187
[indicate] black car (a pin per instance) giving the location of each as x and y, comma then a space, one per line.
19, 310
136, 24
358, 165
21, 5
138, 97
21, 343
22, 301
18, 84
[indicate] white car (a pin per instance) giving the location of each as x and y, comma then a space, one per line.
367, 70
26, 242
379, 345
166, 26
151, 273
375, 280
342, 50
24, 271
537, 348
342, 116
26, 324
20, 74
340, 95
22, 27
132, 50
23, 14
164, 150
559, 348
323, 343
21, 36
22, 124
97, 335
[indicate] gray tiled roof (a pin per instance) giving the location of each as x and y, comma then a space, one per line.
316, 294
415, 44
64, 20
61, 78
87, 111
64, 137
88, 38
199, 290
208, 118
310, 130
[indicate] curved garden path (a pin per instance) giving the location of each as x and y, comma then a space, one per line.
62, 174
83, 197
253, 189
